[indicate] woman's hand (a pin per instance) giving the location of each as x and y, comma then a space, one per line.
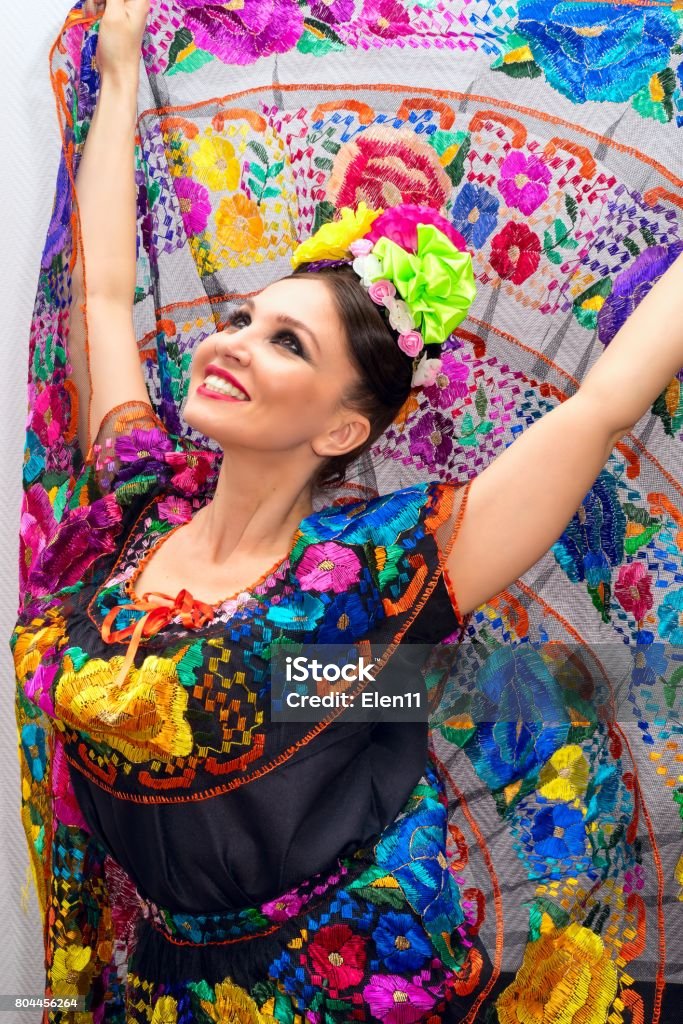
122, 24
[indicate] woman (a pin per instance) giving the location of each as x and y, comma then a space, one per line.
284, 872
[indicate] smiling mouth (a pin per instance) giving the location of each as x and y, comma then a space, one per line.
223, 387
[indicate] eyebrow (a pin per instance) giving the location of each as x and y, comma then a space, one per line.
290, 321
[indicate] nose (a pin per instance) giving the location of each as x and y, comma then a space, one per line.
232, 345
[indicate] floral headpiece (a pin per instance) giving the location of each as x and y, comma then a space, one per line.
412, 262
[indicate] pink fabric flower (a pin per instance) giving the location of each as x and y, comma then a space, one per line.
396, 1000
361, 247
524, 181
632, 590
399, 224
283, 907
175, 509
195, 205
380, 291
411, 343
328, 566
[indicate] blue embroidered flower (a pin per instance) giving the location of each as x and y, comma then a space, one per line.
379, 521
649, 663
671, 617
593, 542
475, 214
300, 611
349, 617
597, 51
401, 944
559, 832
33, 745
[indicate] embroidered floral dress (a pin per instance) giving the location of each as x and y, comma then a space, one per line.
284, 868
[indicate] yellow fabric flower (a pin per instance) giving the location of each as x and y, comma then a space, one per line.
143, 717
239, 224
332, 241
71, 970
34, 640
233, 1005
565, 776
566, 976
216, 164
165, 1011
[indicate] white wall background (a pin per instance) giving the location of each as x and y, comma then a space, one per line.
30, 153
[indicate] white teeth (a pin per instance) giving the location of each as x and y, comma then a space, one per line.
216, 383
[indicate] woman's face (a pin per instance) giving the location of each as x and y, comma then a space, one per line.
274, 379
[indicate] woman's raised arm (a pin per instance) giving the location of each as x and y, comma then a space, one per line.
519, 506
105, 361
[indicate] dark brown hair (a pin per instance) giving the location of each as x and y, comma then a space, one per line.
384, 371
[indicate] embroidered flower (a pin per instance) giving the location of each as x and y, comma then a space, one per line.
632, 285
239, 225
568, 973
475, 214
391, 514
33, 745
48, 417
400, 224
670, 614
72, 968
143, 445
385, 167
411, 343
524, 181
231, 1005
338, 955
449, 383
558, 832
241, 33
195, 204
58, 231
633, 589
67, 810
328, 566
386, 19
36, 529
174, 510
396, 1000
333, 12
34, 457
515, 253
165, 1011
283, 907
216, 165
431, 439
350, 616
596, 51
401, 944
565, 776
334, 239
301, 612
589, 553
144, 717
192, 469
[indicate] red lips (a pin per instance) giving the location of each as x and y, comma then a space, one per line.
212, 368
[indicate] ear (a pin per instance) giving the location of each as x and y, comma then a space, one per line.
347, 435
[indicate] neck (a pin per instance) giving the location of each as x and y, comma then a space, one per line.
256, 508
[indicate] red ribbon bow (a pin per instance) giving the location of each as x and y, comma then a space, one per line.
157, 615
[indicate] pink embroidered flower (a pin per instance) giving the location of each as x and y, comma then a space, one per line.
524, 181
175, 509
515, 252
84, 534
399, 224
37, 527
48, 415
338, 955
143, 444
242, 32
387, 19
328, 566
411, 343
396, 1000
449, 383
632, 590
38, 688
380, 291
195, 205
283, 907
192, 469
66, 806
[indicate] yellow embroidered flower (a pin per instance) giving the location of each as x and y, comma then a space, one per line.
332, 241
233, 1005
238, 223
565, 776
143, 717
216, 164
33, 640
165, 1011
71, 970
566, 975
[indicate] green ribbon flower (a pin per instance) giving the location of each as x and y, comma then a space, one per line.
437, 282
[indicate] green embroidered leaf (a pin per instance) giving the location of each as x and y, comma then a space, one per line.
259, 149
275, 169
324, 213
59, 503
518, 60
318, 38
481, 402
189, 663
323, 163
78, 657
331, 146
181, 41
383, 895
456, 168
194, 60
572, 207
631, 544
538, 909
588, 305
631, 246
258, 172
648, 237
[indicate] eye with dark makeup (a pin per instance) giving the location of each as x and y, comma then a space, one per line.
288, 339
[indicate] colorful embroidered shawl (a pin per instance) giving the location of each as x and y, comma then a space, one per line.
550, 134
